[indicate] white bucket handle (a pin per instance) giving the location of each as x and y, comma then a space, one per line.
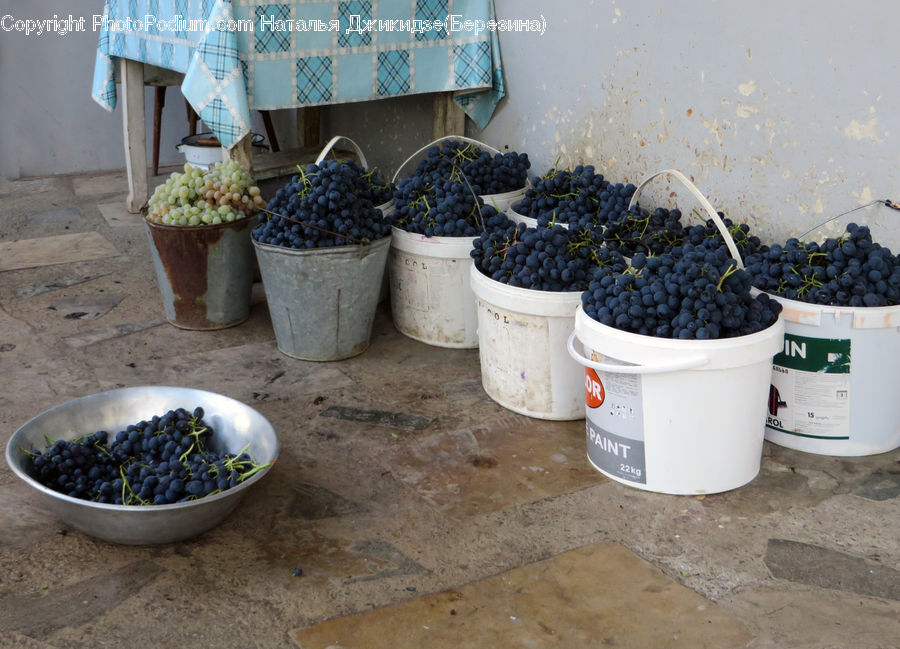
684, 364
333, 141
441, 139
726, 235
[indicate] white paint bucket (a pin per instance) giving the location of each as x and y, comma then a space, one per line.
522, 346
431, 300
834, 381
675, 416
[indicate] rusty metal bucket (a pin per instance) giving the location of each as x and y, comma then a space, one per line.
205, 272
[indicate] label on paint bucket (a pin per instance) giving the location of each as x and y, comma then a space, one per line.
810, 391
615, 424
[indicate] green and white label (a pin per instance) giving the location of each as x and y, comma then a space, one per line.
810, 391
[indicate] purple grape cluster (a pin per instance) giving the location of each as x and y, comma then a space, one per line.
485, 173
579, 198
442, 197
163, 460
451, 211
662, 230
543, 258
692, 292
849, 270
331, 204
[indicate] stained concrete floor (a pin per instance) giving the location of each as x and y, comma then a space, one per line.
465, 525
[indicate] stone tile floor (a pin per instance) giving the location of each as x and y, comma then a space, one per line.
482, 528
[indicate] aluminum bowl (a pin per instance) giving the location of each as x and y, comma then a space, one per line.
235, 426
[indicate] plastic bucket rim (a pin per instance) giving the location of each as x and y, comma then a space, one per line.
832, 309
525, 301
675, 343
520, 290
439, 247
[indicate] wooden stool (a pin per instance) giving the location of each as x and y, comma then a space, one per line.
161, 79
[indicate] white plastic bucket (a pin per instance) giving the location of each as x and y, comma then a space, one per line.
675, 416
431, 300
835, 380
518, 217
522, 346
503, 202
500, 202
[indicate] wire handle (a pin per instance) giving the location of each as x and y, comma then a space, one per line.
441, 139
333, 141
886, 201
716, 219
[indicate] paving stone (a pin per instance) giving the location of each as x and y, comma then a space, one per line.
60, 216
36, 289
881, 486
13, 640
41, 185
100, 184
77, 603
117, 215
117, 331
466, 472
252, 372
58, 249
805, 617
378, 417
312, 502
86, 307
816, 566
599, 595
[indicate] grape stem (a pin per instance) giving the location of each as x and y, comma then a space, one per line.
732, 269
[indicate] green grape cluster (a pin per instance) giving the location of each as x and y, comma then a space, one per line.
198, 196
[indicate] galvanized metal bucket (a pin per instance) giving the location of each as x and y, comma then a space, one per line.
322, 301
205, 272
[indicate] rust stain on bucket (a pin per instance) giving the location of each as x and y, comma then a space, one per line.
204, 273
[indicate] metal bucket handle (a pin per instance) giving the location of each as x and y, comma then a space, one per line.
677, 366
726, 235
441, 139
333, 141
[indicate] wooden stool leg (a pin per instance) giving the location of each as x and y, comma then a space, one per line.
159, 102
270, 130
191, 117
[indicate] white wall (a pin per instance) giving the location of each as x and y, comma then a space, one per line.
48, 122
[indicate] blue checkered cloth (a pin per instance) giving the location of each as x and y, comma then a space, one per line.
242, 55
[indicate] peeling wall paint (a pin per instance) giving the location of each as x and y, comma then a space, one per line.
776, 123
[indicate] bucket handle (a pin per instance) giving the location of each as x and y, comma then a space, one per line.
726, 235
441, 139
685, 364
328, 147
